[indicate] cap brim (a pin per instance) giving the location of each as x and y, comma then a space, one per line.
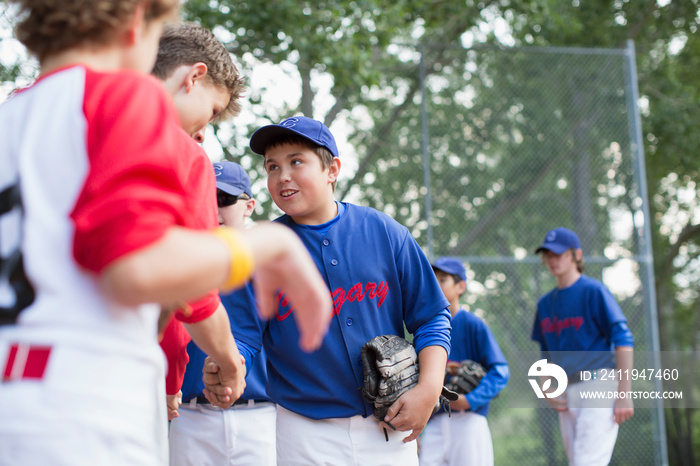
435, 267
555, 248
451, 272
262, 137
228, 189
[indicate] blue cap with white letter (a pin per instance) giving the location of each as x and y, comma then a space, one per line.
559, 240
307, 128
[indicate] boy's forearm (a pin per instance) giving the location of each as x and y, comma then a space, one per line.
185, 264
624, 358
182, 265
213, 335
270, 241
432, 361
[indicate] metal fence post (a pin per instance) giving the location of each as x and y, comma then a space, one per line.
646, 256
426, 155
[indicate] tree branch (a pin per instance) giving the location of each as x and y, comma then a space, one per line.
637, 27
688, 233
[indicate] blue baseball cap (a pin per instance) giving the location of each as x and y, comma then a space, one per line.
452, 266
559, 240
307, 128
232, 179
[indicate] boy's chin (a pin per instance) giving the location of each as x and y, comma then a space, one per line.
298, 215
295, 213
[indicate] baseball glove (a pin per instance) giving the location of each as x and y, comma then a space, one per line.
390, 369
465, 377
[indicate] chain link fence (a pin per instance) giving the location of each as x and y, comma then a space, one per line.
514, 143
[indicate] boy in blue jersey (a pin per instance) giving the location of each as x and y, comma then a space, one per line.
464, 436
577, 325
246, 430
379, 279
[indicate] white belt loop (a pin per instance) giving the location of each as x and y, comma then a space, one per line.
193, 402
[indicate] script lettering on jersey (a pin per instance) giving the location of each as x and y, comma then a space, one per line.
356, 293
556, 325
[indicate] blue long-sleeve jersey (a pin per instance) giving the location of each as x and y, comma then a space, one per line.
472, 339
578, 326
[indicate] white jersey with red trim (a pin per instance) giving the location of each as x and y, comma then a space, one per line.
93, 166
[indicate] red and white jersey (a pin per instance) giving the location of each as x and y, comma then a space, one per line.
93, 166
103, 169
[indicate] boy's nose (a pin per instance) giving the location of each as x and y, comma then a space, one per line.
285, 175
199, 136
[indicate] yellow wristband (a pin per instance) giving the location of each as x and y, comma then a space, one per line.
242, 263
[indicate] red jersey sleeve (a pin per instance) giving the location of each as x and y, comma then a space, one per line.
174, 345
200, 309
135, 188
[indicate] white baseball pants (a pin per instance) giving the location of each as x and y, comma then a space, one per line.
354, 441
463, 438
589, 434
204, 435
89, 408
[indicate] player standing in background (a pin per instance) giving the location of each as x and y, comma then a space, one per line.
96, 219
380, 279
464, 437
200, 76
577, 325
243, 434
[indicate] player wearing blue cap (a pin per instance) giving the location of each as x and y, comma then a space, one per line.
379, 279
577, 325
245, 432
464, 437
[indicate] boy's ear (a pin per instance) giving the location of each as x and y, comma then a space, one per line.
197, 72
461, 287
334, 169
136, 24
249, 207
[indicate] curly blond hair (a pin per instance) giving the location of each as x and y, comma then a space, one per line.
189, 43
48, 27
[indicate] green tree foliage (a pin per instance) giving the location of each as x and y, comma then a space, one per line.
517, 141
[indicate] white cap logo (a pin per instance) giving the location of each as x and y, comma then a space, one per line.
289, 122
551, 236
542, 368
